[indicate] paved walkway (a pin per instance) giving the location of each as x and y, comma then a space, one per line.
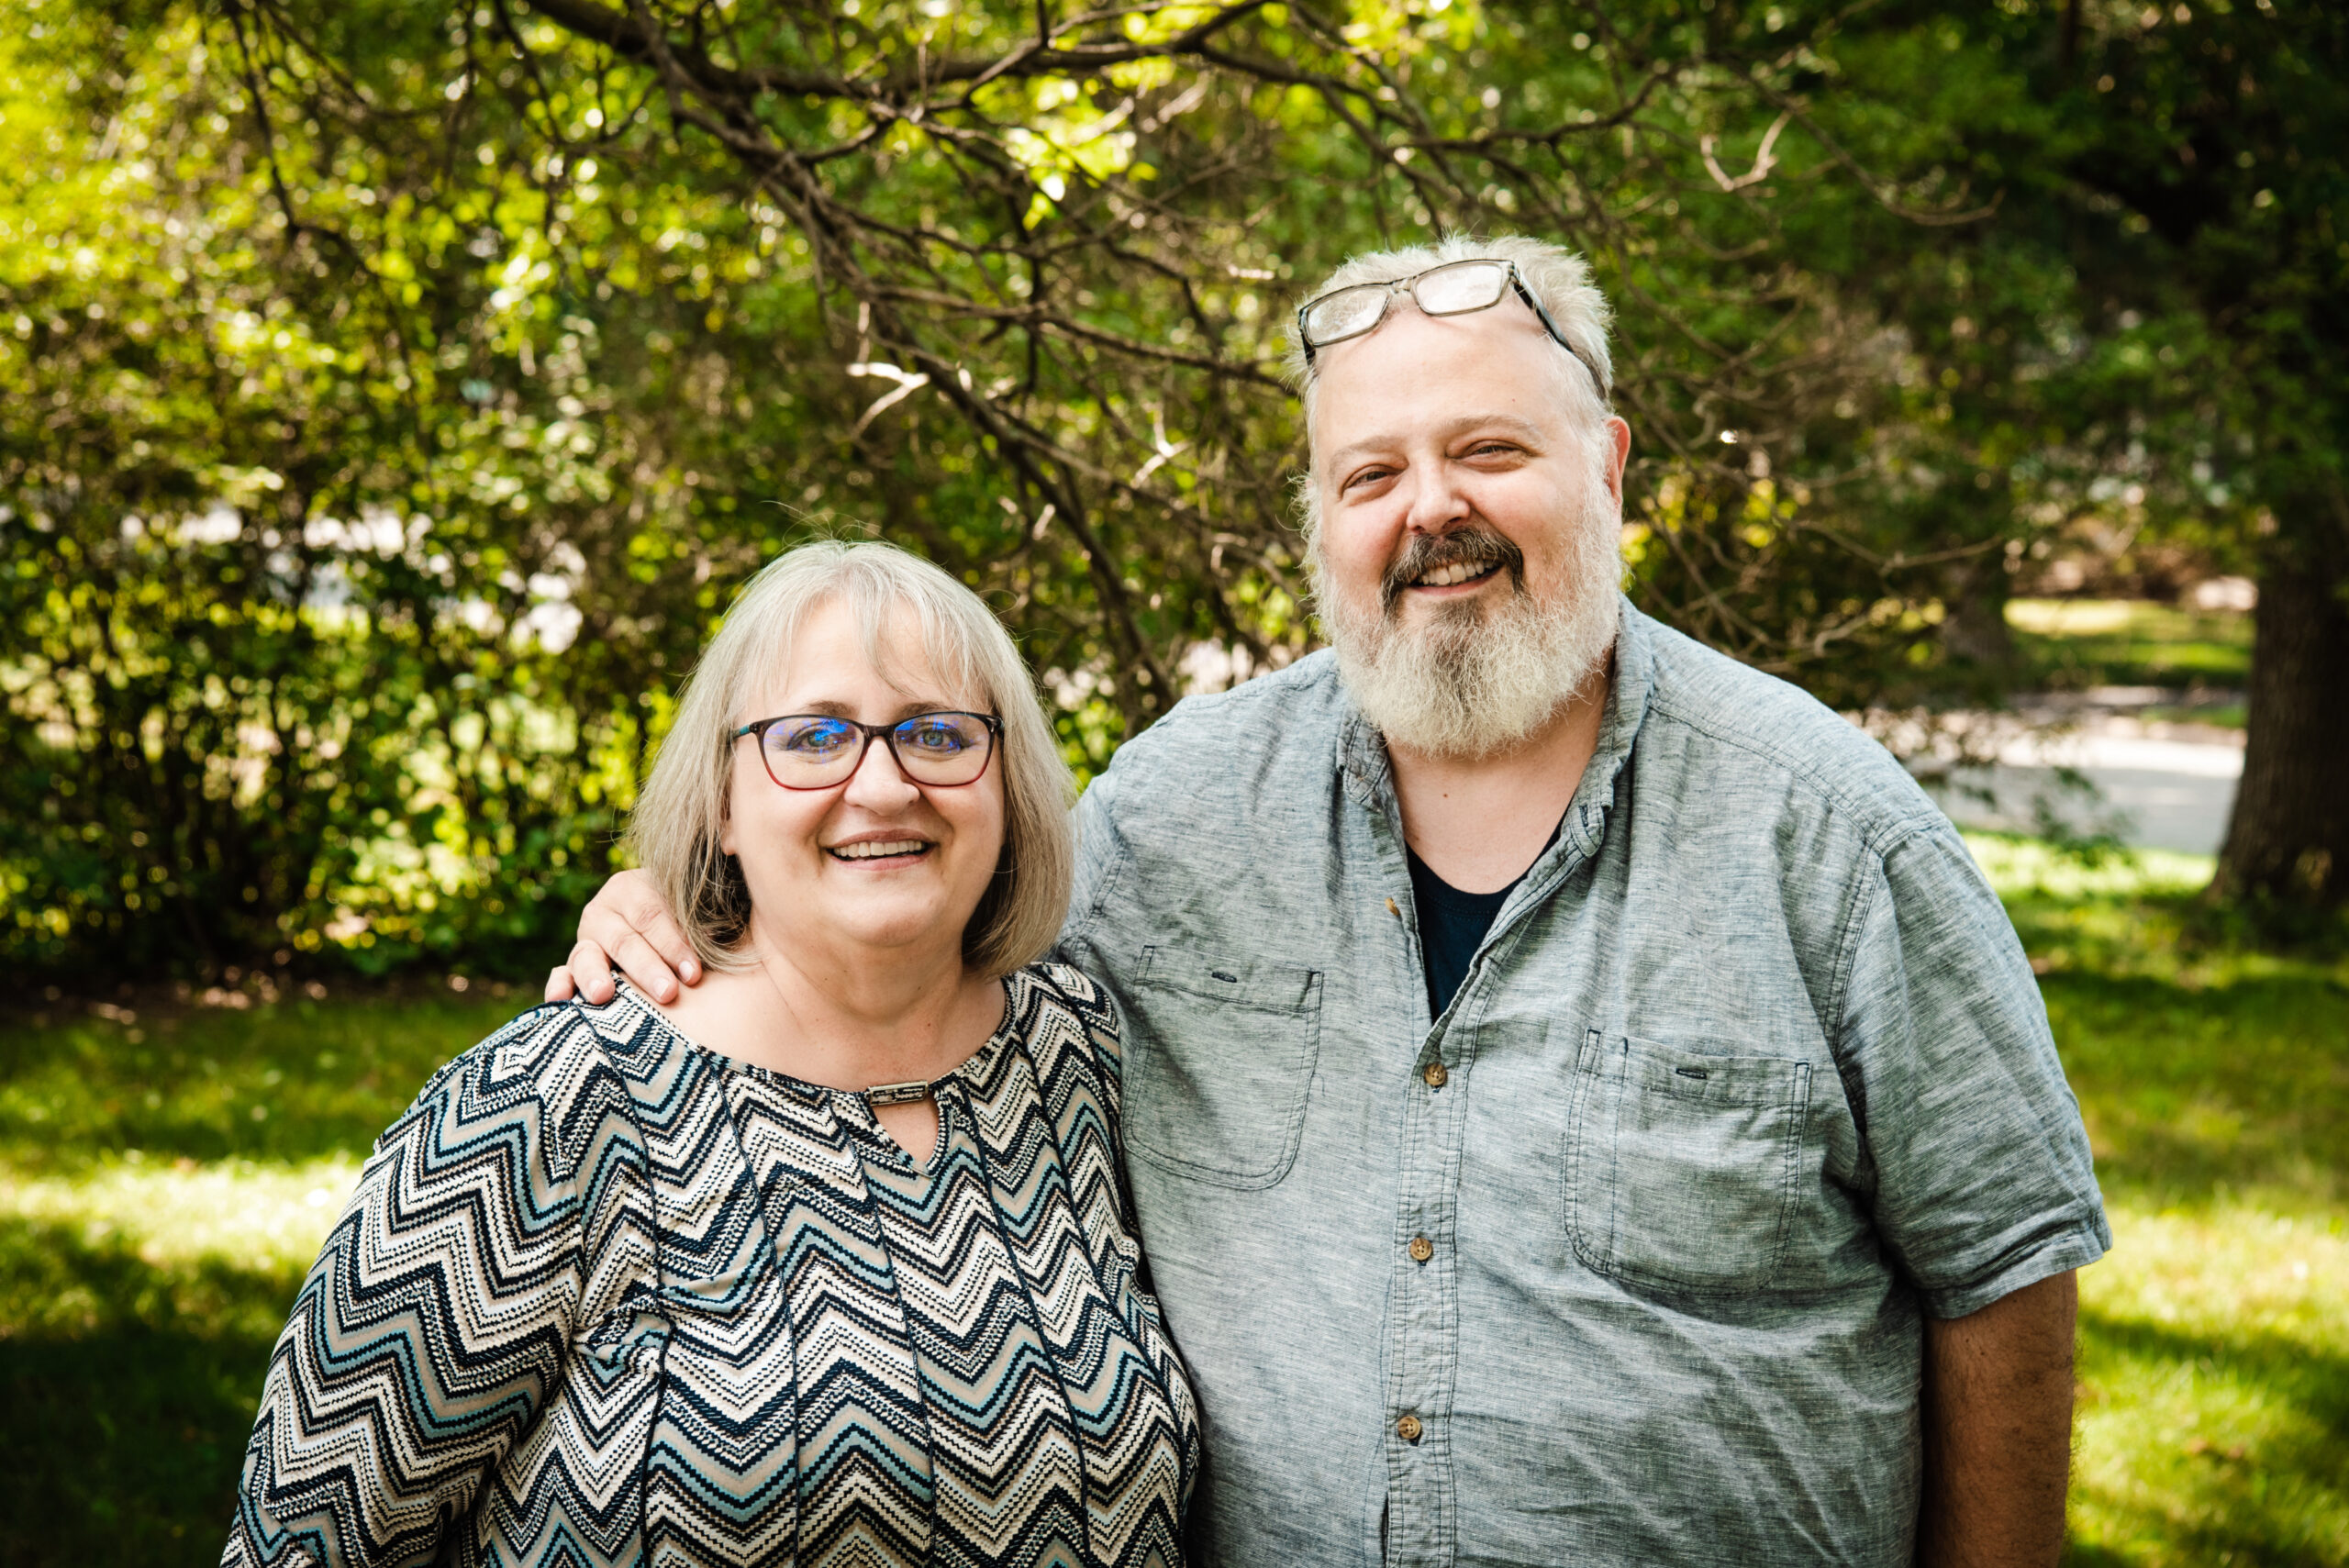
2154, 784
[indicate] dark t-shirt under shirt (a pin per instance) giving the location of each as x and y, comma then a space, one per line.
1452, 925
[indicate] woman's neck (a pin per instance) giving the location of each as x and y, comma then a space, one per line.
847, 1020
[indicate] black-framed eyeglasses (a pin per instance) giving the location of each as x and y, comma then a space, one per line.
816, 750
1456, 288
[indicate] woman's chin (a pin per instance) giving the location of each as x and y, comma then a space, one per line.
885, 919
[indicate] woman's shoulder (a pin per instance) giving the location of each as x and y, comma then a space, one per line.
1064, 1017
1066, 990
548, 1075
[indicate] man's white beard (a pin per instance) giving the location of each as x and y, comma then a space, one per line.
1469, 682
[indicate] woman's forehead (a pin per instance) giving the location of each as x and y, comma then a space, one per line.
833, 659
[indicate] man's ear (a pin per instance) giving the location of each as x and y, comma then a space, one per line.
1619, 434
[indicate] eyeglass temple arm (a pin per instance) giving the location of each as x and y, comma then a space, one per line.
1529, 297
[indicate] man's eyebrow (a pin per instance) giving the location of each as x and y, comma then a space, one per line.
1508, 424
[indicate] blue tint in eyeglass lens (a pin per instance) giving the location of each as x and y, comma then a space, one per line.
934, 748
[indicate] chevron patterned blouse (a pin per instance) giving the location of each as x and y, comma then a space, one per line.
605, 1298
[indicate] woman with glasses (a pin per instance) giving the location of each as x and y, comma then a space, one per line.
829, 1262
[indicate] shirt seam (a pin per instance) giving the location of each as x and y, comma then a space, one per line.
1879, 833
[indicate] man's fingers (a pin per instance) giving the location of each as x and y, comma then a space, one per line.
591, 972
628, 921
647, 967
559, 986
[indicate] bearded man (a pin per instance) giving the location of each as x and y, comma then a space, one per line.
1583, 1103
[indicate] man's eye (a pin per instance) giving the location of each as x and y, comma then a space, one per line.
1366, 476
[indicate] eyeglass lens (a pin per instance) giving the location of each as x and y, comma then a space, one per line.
811, 750
1451, 290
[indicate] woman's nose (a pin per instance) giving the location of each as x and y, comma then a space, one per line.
878, 781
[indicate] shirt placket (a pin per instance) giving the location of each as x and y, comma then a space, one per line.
1422, 1349
1422, 1320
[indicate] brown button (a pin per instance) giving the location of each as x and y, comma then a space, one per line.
1421, 1249
1435, 1074
1394, 908
1408, 1428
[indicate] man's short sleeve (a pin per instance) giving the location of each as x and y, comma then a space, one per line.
1983, 1179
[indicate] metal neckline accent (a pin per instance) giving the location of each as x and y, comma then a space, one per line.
899, 1093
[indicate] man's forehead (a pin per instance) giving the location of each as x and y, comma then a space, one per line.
1416, 373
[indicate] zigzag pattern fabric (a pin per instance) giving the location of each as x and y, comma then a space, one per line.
605, 1297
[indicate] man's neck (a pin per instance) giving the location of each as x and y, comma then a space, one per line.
1478, 822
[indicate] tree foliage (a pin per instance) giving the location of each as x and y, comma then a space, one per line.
395, 392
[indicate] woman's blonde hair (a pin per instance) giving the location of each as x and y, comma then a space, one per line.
674, 831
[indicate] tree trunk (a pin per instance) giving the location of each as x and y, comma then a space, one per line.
2289, 836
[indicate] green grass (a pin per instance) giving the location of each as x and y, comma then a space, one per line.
166, 1174
2214, 1339
154, 1229
2072, 644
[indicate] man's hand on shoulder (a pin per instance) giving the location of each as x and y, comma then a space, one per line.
626, 924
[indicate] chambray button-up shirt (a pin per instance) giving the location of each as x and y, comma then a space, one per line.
1748, 1076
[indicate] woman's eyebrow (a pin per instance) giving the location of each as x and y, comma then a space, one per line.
909, 709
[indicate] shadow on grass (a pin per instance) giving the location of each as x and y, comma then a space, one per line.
2190, 1091
130, 1390
288, 1081
2267, 1502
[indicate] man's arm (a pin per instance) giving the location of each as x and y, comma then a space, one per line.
1997, 1410
627, 925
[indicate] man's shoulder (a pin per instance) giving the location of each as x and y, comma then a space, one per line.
1276, 728
1739, 730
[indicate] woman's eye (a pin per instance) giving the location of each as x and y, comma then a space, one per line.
933, 737
812, 740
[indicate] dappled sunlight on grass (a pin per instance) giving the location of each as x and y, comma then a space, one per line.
2214, 1392
2022, 867
263, 1219
2214, 1339
2078, 643
154, 1229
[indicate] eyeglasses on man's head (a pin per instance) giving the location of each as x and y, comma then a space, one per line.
1456, 288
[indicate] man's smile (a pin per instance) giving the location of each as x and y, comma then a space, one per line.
1455, 574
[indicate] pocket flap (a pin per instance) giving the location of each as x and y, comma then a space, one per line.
1242, 983
1719, 1080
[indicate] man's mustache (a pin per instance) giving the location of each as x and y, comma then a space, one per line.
1478, 547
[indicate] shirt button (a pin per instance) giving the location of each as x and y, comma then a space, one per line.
1421, 1249
1408, 1428
1435, 1074
1394, 908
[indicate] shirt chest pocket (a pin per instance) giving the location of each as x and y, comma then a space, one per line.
1682, 1166
1219, 1054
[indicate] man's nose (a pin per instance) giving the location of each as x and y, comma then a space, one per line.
1435, 502
878, 782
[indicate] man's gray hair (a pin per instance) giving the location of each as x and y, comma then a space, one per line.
674, 831
1559, 278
